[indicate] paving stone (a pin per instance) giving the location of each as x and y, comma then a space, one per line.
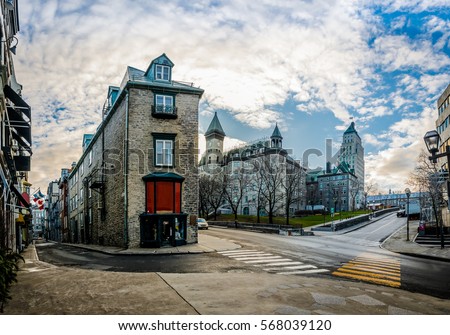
326, 299
366, 300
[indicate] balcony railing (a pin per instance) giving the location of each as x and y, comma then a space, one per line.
163, 111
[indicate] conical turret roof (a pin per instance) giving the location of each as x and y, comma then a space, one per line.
215, 127
276, 133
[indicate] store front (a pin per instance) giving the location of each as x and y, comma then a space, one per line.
163, 223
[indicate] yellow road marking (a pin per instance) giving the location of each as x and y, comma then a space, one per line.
367, 279
383, 271
370, 274
371, 268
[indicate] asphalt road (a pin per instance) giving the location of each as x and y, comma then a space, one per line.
354, 256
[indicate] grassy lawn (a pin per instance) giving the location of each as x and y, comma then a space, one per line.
305, 221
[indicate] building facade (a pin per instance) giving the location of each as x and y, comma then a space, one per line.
15, 138
136, 183
261, 176
53, 212
340, 187
442, 126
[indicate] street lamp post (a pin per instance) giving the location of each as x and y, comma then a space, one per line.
408, 194
432, 141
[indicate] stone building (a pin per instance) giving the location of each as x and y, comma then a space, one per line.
254, 160
15, 138
136, 183
53, 212
340, 187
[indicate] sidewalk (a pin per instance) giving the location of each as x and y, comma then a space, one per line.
206, 243
397, 243
46, 289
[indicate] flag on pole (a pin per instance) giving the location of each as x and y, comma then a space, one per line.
39, 199
38, 195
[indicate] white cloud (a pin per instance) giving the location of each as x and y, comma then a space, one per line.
249, 56
390, 167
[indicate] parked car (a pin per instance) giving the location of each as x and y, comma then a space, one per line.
202, 223
401, 213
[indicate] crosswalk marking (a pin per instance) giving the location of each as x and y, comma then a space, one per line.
272, 263
241, 257
371, 268
303, 272
256, 253
282, 263
266, 260
295, 267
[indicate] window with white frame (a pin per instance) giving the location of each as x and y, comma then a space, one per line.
90, 157
81, 169
164, 104
162, 72
164, 153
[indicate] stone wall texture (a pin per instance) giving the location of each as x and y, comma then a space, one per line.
119, 225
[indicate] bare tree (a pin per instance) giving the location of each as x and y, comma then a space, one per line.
257, 182
235, 183
211, 193
428, 177
293, 186
354, 191
204, 207
369, 188
272, 172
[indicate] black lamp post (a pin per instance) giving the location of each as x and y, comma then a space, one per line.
432, 141
408, 194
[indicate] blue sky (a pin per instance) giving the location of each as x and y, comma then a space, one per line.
310, 66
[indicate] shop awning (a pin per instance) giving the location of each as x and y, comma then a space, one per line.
19, 116
17, 100
163, 176
23, 201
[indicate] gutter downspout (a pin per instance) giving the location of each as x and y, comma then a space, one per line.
125, 161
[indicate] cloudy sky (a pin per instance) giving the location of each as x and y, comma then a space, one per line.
311, 66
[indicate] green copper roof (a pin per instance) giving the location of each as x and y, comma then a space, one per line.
351, 129
163, 176
276, 132
215, 127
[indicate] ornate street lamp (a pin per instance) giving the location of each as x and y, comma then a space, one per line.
432, 141
408, 194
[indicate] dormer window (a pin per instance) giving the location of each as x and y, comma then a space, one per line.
162, 72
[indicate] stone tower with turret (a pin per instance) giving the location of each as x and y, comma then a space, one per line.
214, 136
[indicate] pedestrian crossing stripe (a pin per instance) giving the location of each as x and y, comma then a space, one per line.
369, 268
272, 263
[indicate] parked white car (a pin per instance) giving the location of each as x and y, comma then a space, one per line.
202, 223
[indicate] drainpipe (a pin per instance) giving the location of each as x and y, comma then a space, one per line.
125, 164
